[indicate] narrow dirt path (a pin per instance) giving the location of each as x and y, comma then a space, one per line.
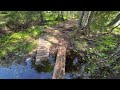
55, 38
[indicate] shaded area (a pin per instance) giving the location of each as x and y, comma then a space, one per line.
20, 43
75, 65
26, 70
88, 56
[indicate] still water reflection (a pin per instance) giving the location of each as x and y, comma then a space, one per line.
75, 68
24, 71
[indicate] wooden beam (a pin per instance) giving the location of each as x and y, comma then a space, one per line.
59, 69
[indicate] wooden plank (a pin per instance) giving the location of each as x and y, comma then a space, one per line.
42, 51
59, 69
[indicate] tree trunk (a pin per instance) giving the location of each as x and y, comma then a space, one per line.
114, 21
84, 21
59, 69
80, 19
88, 23
41, 16
62, 16
111, 30
85, 18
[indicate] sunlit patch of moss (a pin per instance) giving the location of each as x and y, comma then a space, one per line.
15, 36
35, 31
45, 26
30, 46
52, 23
65, 18
3, 53
81, 45
106, 43
117, 31
24, 35
11, 48
23, 41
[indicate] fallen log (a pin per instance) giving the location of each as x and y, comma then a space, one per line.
59, 69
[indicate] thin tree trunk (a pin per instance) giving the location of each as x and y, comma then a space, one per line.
80, 19
62, 16
88, 22
59, 69
110, 31
114, 21
85, 19
41, 16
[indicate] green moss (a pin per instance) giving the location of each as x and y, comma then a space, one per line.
106, 43
44, 67
117, 31
23, 41
3, 53
52, 23
30, 46
80, 45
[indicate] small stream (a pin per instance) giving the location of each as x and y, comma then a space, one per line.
24, 71
75, 65
28, 70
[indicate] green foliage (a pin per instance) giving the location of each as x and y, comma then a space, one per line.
116, 31
35, 31
52, 23
45, 66
106, 43
102, 19
23, 41
105, 46
80, 45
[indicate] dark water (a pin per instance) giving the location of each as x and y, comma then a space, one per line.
24, 71
75, 65
28, 70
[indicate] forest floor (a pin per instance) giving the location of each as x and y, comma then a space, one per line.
83, 54
76, 45
61, 31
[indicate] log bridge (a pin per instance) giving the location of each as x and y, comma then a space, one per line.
43, 54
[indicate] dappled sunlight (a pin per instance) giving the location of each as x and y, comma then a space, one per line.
56, 32
81, 45
117, 31
51, 39
56, 44
21, 42
16, 36
42, 41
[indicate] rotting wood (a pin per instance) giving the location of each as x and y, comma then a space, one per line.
59, 69
42, 51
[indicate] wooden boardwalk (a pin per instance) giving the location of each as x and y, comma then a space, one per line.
42, 51
59, 69
54, 36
